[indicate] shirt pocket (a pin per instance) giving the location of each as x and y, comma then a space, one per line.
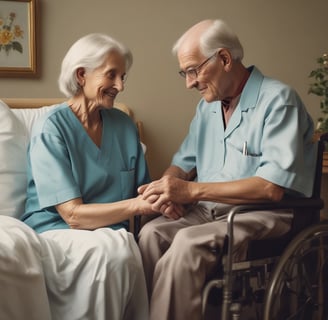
128, 184
238, 165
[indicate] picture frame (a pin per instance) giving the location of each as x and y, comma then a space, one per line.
18, 38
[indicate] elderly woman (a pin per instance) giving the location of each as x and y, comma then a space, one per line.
85, 163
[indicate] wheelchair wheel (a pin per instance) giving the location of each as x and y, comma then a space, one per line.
299, 283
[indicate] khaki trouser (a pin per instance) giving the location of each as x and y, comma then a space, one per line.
178, 256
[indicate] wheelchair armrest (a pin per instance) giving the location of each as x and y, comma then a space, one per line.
286, 203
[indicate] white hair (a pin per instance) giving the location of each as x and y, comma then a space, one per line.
88, 52
217, 36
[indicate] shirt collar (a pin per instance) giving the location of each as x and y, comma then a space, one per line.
249, 95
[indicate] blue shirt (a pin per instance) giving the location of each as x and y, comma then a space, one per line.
271, 118
64, 163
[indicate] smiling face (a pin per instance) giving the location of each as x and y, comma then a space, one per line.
211, 78
101, 85
214, 78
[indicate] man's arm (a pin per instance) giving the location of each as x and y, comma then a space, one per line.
249, 190
170, 189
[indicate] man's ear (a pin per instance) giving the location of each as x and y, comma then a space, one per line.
225, 56
226, 59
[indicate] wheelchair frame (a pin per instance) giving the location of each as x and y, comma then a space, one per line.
263, 266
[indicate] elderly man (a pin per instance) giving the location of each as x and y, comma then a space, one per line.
250, 141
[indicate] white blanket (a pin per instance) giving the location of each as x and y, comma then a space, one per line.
69, 274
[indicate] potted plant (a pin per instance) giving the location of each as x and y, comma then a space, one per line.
320, 88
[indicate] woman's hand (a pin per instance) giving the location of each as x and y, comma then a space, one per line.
142, 206
172, 210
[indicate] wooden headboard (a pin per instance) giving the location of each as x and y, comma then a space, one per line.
23, 103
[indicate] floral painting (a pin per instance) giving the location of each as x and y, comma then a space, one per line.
10, 34
18, 47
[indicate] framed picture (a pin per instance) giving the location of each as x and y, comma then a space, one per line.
18, 38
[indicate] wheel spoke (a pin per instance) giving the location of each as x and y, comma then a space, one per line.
298, 286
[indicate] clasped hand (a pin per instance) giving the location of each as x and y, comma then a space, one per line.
167, 196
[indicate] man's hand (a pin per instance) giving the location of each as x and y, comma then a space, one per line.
165, 191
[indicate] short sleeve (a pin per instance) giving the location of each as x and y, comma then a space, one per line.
51, 170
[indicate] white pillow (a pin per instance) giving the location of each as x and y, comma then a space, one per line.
15, 128
28, 116
12, 163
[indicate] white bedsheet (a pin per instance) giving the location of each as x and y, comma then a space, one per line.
69, 274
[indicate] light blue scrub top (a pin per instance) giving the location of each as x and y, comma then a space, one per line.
271, 118
64, 163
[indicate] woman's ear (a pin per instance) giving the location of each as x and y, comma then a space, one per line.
80, 72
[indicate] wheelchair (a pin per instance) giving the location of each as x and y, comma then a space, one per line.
282, 278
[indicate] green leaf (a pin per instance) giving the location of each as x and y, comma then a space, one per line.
17, 46
319, 87
316, 90
8, 47
313, 73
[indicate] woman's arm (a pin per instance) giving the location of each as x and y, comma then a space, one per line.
79, 215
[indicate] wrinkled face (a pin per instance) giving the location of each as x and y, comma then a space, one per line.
102, 84
210, 77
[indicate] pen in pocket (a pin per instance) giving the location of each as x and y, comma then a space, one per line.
245, 153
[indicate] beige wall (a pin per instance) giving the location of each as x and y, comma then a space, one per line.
283, 38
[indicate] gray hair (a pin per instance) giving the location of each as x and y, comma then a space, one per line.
217, 36
88, 52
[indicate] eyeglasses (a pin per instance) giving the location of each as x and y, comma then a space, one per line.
194, 72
